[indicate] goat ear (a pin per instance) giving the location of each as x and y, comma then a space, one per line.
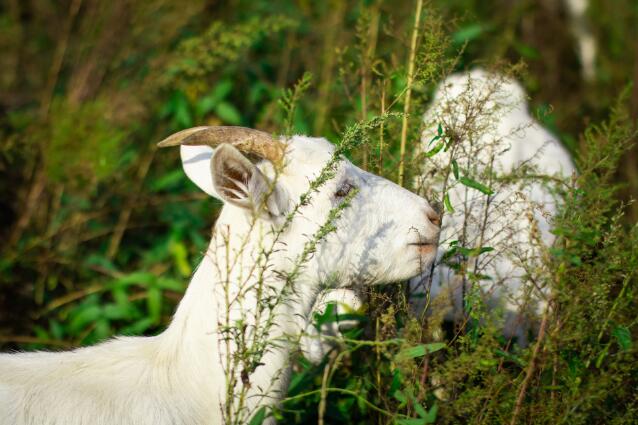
196, 164
238, 181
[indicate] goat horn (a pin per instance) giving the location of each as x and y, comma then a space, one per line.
245, 139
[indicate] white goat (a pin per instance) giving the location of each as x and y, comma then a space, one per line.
495, 137
487, 115
581, 30
181, 376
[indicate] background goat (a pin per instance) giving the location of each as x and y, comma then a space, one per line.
493, 139
493, 136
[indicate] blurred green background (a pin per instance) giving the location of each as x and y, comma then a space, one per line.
100, 232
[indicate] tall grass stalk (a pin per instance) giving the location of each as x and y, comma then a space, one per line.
408, 92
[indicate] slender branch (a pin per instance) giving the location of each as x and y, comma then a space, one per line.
614, 306
125, 215
346, 392
56, 66
324, 387
381, 130
408, 93
33, 340
531, 367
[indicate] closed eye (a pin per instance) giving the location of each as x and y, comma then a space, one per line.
344, 189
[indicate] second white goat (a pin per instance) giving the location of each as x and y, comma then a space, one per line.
491, 139
488, 131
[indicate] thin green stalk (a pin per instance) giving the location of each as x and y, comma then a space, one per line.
350, 393
408, 93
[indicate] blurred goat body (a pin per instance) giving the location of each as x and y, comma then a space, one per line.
492, 139
249, 287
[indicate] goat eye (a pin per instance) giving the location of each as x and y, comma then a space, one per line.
344, 190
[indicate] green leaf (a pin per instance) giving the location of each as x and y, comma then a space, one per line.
179, 109
420, 410
205, 105
476, 185
400, 397
475, 252
208, 103
434, 139
601, 356
170, 284
434, 150
345, 317
511, 357
103, 262
56, 329
41, 333
139, 278
327, 316
168, 181
432, 413
396, 382
120, 295
259, 417
344, 406
427, 417
118, 311
222, 89
477, 277
361, 405
180, 257
300, 380
102, 329
420, 350
257, 91
448, 204
526, 51
86, 315
138, 327
455, 169
154, 303
488, 362
228, 113
468, 33
416, 421
623, 336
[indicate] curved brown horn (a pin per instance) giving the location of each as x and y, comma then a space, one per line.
245, 139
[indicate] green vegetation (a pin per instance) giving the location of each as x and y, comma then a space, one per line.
101, 234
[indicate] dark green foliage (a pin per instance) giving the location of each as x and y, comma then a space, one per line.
100, 234
94, 140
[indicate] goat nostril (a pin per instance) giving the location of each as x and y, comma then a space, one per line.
434, 218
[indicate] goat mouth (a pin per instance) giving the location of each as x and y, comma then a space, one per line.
425, 248
422, 244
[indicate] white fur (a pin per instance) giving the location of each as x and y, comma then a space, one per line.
506, 131
581, 30
178, 376
314, 343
